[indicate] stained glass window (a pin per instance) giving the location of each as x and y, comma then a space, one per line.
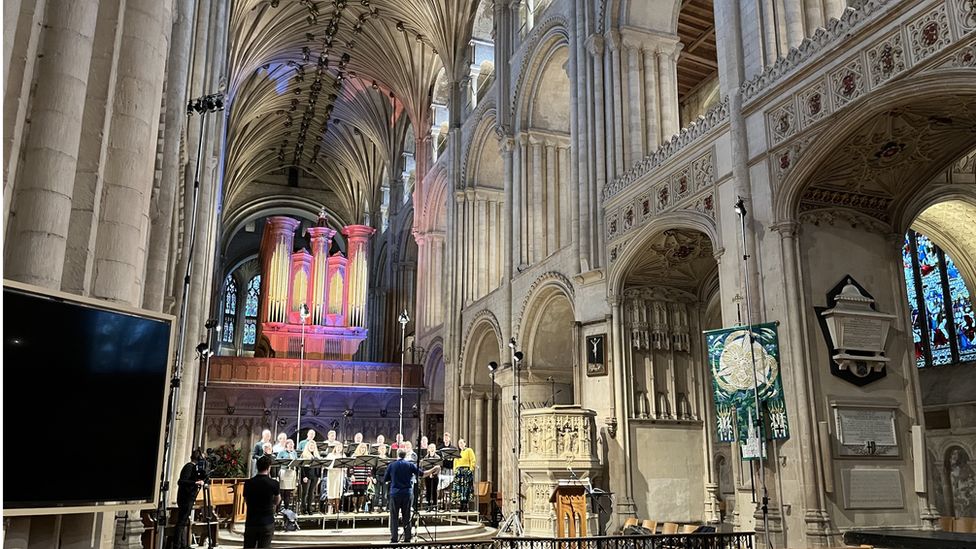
251, 310
943, 325
230, 310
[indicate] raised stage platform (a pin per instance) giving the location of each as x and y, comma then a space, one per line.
369, 528
909, 539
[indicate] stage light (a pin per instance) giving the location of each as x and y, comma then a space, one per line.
403, 318
518, 356
740, 207
211, 324
511, 343
383, 412
347, 413
492, 366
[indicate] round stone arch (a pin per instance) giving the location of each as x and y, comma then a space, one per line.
551, 38
547, 330
434, 372
482, 344
482, 164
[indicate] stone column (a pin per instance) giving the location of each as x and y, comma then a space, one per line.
488, 461
552, 212
634, 80
120, 250
538, 243
794, 22
651, 94
815, 514
520, 201
42, 199
507, 146
485, 243
87, 193
594, 44
625, 503
616, 78
477, 440
667, 71
177, 74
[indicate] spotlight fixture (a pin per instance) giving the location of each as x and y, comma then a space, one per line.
492, 366
519, 356
347, 412
511, 343
204, 350
399, 26
740, 207
211, 324
375, 86
383, 412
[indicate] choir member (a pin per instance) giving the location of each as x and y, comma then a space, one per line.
464, 475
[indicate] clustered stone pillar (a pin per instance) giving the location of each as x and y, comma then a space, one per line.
42, 201
123, 225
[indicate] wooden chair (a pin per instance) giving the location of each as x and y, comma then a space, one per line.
688, 528
630, 522
650, 525
482, 491
945, 524
669, 528
965, 525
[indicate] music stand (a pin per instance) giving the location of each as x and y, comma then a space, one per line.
450, 452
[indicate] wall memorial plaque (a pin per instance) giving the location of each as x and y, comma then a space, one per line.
866, 431
873, 489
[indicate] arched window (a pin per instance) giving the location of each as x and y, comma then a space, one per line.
230, 310
251, 310
943, 323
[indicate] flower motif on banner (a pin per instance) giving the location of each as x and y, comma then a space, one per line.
736, 366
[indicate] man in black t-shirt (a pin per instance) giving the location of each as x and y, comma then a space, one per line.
261, 494
187, 487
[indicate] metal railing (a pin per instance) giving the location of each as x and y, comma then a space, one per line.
734, 540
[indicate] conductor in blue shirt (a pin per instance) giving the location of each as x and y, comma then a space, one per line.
400, 475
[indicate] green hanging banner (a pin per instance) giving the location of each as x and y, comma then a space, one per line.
731, 362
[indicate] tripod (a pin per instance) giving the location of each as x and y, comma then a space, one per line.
208, 514
513, 524
421, 522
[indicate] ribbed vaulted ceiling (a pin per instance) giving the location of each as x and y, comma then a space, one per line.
333, 87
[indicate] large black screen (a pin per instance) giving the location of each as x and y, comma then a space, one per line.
83, 397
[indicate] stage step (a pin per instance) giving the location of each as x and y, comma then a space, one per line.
908, 539
366, 535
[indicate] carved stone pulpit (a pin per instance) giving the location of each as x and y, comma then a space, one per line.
558, 448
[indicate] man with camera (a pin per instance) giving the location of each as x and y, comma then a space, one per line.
193, 475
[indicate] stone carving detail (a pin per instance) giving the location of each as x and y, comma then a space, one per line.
929, 33
678, 189
847, 83
556, 437
966, 10
657, 318
554, 440
781, 122
851, 218
715, 117
813, 104
886, 59
834, 30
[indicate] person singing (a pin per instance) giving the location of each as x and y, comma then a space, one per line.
381, 489
464, 475
336, 476
430, 483
310, 475
287, 476
447, 473
360, 478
